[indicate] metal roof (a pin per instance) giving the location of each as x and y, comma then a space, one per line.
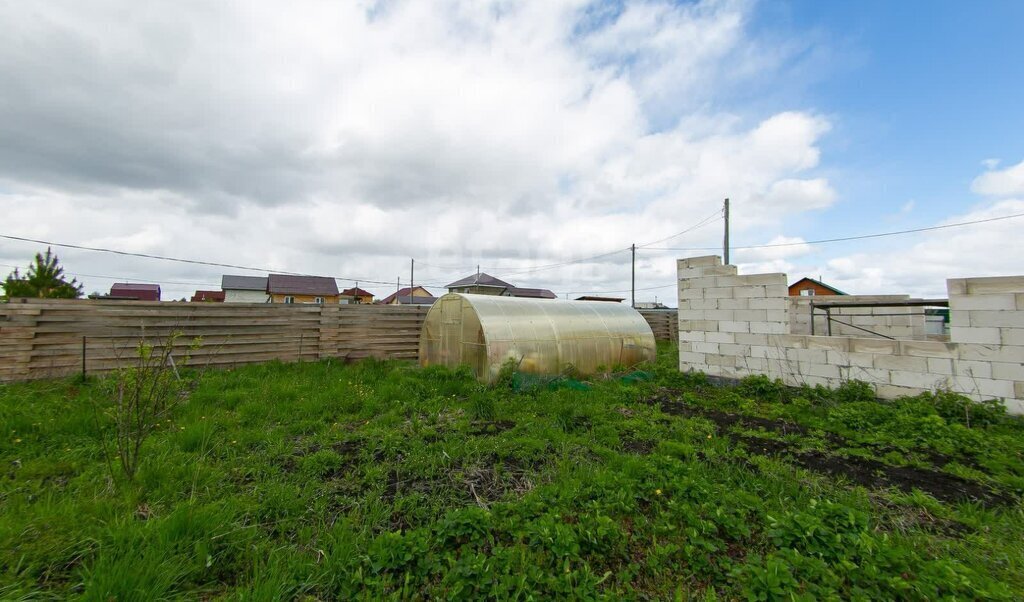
402, 293
532, 293
480, 279
243, 283
287, 284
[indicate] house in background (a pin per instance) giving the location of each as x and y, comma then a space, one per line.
406, 296
356, 295
809, 287
479, 284
649, 305
285, 288
135, 292
208, 296
244, 289
485, 284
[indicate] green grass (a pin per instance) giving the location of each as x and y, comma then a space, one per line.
383, 480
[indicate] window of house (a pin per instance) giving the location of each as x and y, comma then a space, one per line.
319, 300
807, 292
289, 299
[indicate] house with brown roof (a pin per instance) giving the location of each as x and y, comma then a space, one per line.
135, 291
409, 296
286, 288
809, 287
356, 295
208, 296
485, 284
244, 289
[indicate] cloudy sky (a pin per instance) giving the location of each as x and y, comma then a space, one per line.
343, 138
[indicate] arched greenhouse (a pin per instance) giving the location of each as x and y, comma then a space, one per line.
539, 336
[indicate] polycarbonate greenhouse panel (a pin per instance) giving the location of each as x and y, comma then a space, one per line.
538, 336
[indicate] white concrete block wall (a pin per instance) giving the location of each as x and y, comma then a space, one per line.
734, 325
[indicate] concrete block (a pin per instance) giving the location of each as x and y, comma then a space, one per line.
694, 314
700, 304
751, 315
692, 335
995, 285
732, 303
807, 356
995, 388
769, 327
972, 368
901, 362
702, 282
1020, 301
777, 290
1006, 371
719, 293
956, 286
691, 358
720, 337
845, 358
687, 273
719, 314
997, 319
767, 352
706, 325
813, 381
766, 279
720, 270
991, 353
797, 341
776, 315
704, 260
734, 349
940, 365
685, 346
750, 339
1018, 390
822, 370
705, 347
691, 293
1002, 301
1014, 406
742, 292
894, 391
959, 317
927, 349
876, 346
769, 303
984, 336
833, 343
755, 365
1011, 336
919, 380
730, 326
869, 375
721, 360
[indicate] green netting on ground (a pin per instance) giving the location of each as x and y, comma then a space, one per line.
522, 381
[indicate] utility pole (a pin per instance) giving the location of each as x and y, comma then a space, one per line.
398, 289
725, 243
412, 274
632, 296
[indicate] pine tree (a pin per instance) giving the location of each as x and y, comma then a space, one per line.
43, 280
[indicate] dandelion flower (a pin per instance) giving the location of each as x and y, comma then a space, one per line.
709, 436
657, 492
17, 440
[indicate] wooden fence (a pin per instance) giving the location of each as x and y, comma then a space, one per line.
664, 323
48, 338
45, 338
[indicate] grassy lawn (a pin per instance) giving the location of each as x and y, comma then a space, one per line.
383, 480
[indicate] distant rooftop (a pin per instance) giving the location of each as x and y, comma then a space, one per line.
286, 284
243, 283
480, 279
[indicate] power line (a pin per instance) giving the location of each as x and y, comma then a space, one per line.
846, 238
707, 220
179, 260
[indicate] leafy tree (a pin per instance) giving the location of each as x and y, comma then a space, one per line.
43, 280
